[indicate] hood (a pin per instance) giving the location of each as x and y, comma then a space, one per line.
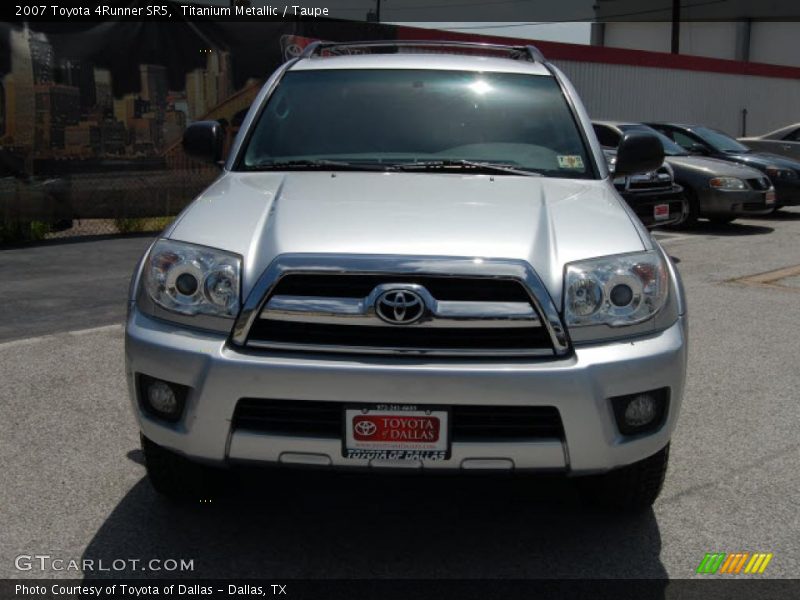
713, 167
547, 222
765, 159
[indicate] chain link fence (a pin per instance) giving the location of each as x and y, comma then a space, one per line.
95, 203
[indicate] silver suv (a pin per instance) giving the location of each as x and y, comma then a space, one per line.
413, 259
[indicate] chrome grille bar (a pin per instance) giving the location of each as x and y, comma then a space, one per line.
359, 311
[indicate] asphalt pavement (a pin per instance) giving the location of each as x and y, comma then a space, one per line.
74, 486
66, 286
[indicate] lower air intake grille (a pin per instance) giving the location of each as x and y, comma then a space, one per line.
303, 418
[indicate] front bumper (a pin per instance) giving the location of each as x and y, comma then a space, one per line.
734, 203
644, 203
788, 192
578, 386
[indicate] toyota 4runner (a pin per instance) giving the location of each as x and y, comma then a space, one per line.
413, 258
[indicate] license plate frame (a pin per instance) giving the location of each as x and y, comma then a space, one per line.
376, 448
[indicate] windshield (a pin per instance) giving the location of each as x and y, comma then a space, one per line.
670, 147
719, 141
397, 118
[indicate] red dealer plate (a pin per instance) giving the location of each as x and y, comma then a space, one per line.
396, 433
661, 212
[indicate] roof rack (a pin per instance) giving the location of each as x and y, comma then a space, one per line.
531, 53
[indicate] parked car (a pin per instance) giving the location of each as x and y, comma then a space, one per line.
411, 260
715, 189
784, 141
33, 206
655, 197
698, 139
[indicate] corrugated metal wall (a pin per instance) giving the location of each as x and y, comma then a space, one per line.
628, 92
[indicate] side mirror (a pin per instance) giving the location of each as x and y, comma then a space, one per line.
638, 152
698, 149
203, 140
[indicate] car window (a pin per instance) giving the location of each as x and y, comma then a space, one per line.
399, 116
607, 136
682, 139
719, 141
794, 136
670, 147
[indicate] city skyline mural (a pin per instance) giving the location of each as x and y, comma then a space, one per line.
92, 115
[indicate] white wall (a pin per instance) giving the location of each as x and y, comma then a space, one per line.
623, 92
775, 43
770, 42
717, 40
655, 37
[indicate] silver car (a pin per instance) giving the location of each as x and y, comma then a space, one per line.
411, 260
784, 141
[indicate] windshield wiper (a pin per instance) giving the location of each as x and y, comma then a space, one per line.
320, 164
466, 164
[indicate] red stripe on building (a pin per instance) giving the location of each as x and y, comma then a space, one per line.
614, 56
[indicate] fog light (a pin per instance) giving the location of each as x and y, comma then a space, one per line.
161, 399
642, 412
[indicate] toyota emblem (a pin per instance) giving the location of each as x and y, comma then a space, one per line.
400, 307
366, 428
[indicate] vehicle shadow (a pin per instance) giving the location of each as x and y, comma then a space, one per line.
719, 229
781, 215
312, 524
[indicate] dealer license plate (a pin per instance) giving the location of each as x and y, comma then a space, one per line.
386, 432
661, 212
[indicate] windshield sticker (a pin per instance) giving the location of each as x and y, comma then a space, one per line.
570, 161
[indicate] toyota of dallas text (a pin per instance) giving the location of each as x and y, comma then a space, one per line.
411, 260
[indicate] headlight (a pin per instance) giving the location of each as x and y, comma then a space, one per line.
727, 183
615, 290
611, 159
192, 280
781, 173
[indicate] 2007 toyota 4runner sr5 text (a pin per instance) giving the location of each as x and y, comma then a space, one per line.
411, 260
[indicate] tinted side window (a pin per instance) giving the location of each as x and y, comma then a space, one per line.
794, 136
682, 139
606, 136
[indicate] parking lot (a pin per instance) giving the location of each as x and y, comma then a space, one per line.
74, 486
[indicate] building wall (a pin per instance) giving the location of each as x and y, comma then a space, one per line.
716, 40
637, 93
775, 43
770, 41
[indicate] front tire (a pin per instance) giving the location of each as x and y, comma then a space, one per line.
633, 488
176, 477
694, 208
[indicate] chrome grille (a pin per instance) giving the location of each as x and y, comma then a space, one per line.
311, 308
656, 180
